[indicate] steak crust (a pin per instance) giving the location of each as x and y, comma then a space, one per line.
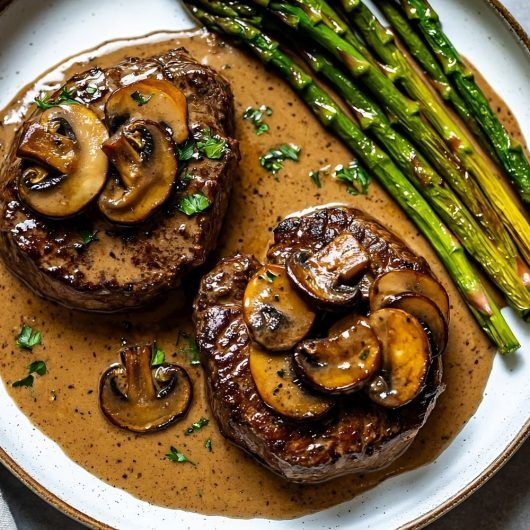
358, 436
126, 268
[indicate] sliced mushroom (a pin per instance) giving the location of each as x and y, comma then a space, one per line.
326, 276
406, 357
276, 315
425, 311
70, 168
153, 100
145, 159
139, 398
341, 363
401, 281
278, 387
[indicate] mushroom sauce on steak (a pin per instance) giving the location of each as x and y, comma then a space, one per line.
117, 185
353, 396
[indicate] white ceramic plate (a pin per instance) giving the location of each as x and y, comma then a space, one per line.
34, 35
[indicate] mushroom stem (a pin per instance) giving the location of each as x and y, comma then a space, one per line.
140, 386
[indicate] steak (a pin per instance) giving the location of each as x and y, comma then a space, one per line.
358, 435
126, 267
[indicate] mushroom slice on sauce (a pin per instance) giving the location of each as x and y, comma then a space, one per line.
425, 310
341, 363
401, 281
145, 159
151, 99
278, 387
406, 358
276, 315
139, 398
70, 168
326, 276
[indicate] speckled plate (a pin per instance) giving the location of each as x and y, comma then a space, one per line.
35, 35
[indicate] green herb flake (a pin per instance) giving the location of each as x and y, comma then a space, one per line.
65, 97
177, 456
186, 150
140, 99
315, 178
363, 355
274, 158
158, 355
193, 204
28, 338
211, 146
197, 426
270, 276
355, 176
208, 444
281, 373
36, 367
91, 90
255, 116
88, 236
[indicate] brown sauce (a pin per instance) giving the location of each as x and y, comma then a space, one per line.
77, 347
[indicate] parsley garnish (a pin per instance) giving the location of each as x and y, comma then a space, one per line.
274, 158
281, 373
255, 117
268, 276
197, 426
176, 456
355, 176
36, 367
28, 338
193, 204
363, 355
65, 96
192, 350
211, 146
186, 150
315, 178
208, 444
88, 236
140, 99
158, 355
91, 89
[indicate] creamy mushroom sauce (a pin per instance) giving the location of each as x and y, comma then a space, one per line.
77, 347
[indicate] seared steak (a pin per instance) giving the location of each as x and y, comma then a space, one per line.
126, 267
358, 435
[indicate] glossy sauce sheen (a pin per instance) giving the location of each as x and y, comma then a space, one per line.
77, 347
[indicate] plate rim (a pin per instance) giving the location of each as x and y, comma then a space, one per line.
76, 514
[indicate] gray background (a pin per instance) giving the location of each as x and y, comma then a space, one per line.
503, 503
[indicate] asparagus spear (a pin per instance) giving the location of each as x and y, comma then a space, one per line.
422, 175
407, 111
419, 50
509, 152
448, 248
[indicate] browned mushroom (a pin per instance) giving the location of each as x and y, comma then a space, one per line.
139, 398
406, 358
328, 276
145, 159
278, 387
151, 99
66, 168
425, 311
341, 363
401, 281
276, 315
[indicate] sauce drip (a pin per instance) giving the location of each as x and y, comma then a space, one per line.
77, 347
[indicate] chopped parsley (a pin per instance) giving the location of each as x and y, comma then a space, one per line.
208, 444
281, 373
197, 426
36, 367
140, 99
193, 204
177, 456
355, 176
269, 276
65, 96
88, 236
274, 158
91, 90
28, 338
211, 146
186, 150
158, 355
363, 355
193, 351
315, 178
255, 116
